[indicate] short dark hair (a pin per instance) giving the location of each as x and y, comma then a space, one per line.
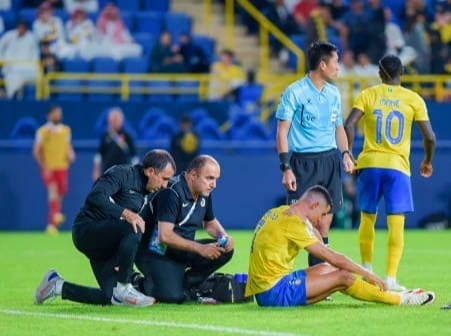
318, 189
53, 108
319, 51
390, 67
199, 162
158, 159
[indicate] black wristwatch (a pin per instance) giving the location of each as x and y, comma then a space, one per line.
284, 166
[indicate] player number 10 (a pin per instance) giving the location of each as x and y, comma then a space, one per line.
396, 138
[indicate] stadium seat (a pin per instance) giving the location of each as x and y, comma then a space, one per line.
208, 129
127, 17
156, 5
162, 129
198, 114
105, 65
9, 19
207, 44
72, 88
29, 91
177, 23
249, 95
252, 130
127, 5
28, 15
135, 65
75, 65
187, 91
160, 91
150, 117
149, 22
147, 42
25, 128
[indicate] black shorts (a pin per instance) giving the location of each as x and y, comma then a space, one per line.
322, 168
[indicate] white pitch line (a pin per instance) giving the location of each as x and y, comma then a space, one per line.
207, 327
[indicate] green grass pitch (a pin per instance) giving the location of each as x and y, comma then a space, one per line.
26, 256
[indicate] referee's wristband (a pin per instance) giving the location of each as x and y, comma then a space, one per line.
284, 159
347, 152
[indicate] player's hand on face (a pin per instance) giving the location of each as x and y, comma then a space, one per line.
289, 180
426, 169
211, 251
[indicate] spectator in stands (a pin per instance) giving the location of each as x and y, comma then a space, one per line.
194, 57
90, 6
37, 3
54, 153
302, 12
2, 25
116, 145
115, 38
226, 76
49, 28
166, 57
279, 14
416, 38
81, 33
442, 21
49, 61
5, 5
19, 49
440, 53
376, 32
356, 27
364, 67
184, 144
338, 8
396, 45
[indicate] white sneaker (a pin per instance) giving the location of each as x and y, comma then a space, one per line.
394, 286
417, 297
129, 296
47, 288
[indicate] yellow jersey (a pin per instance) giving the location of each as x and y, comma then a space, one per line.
55, 143
388, 114
278, 237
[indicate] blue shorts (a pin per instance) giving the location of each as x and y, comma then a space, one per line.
393, 185
287, 292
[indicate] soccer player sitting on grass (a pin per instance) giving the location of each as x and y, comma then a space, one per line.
285, 230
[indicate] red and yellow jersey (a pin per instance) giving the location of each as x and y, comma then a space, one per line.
277, 240
388, 114
54, 142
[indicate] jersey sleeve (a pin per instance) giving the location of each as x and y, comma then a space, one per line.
421, 112
168, 205
359, 102
301, 234
287, 106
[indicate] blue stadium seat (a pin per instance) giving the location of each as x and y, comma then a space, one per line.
177, 23
28, 15
147, 42
75, 65
198, 114
62, 14
127, 5
105, 65
160, 91
25, 128
70, 85
207, 44
150, 117
249, 95
9, 19
187, 91
156, 5
208, 129
162, 129
29, 91
127, 17
135, 65
253, 130
149, 22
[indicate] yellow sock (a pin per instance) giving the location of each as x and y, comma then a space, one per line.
395, 224
365, 291
366, 236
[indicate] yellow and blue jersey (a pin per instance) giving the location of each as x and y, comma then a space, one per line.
277, 240
314, 116
388, 114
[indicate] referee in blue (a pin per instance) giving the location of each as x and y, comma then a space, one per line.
309, 131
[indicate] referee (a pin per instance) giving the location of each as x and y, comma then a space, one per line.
169, 254
309, 130
108, 230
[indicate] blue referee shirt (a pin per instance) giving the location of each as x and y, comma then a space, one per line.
314, 116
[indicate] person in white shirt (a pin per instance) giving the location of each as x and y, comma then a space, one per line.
49, 28
82, 34
19, 50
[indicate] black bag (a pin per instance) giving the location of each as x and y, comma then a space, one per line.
223, 288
